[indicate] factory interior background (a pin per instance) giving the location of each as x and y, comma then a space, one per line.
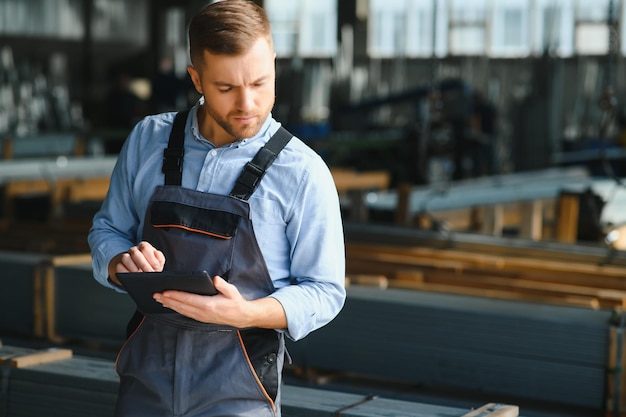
479, 151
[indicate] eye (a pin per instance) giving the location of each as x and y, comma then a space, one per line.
224, 89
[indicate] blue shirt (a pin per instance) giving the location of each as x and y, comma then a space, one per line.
295, 212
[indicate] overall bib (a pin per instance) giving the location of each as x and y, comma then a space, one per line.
172, 365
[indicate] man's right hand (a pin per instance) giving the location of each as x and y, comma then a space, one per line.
141, 258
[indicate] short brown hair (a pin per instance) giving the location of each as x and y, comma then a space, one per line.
227, 27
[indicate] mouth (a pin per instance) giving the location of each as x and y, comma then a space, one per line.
244, 119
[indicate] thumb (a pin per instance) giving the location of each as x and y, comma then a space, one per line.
223, 286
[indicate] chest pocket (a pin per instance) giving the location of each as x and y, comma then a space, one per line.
216, 223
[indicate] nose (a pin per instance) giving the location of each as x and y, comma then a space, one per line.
245, 99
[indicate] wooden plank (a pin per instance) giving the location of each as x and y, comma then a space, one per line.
44, 288
50, 302
464, 259
528, 288
22, 188
355, 185
562, 300
386, 264
403, 214
616, 377
454, 219
567, 217
82, 189
348, 179
379, 281
494, 410
27, 187
462, 272
7, 147
60, 190
37, 358
493, 220
72, 259
531, 222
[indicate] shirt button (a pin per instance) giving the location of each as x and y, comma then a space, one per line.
213, 152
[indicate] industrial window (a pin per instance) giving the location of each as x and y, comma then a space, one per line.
284, 17
386, 29
622, 25
509, 29
304, 28
120, 20
495, 28
52, 18
176, 42
591, 28
318, 28
467, 26
553, 24
425, 28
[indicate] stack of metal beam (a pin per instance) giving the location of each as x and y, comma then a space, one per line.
18, 293
531, 351
64, 388
60, 303
80, 386
83, 310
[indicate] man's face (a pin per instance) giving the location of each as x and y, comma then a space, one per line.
239, 91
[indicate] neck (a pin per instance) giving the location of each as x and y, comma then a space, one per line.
212, 131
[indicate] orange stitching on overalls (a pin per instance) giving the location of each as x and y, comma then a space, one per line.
119, 353
245, 352
204, 232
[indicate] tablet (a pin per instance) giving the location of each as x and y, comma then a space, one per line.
141, 286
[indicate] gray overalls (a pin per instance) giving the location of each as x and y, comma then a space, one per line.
172, 365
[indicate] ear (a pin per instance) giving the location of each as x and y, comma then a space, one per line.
195, 78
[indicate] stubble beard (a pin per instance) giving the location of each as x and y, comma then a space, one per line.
242, 132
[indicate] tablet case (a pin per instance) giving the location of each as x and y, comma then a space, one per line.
141, 285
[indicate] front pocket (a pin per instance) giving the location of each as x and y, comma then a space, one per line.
217, 223
261, 348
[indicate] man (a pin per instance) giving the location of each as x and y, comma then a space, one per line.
269, 233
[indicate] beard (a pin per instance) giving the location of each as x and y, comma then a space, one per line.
237, 130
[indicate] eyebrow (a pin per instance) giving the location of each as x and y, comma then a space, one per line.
225, 84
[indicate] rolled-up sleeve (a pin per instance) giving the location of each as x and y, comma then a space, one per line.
317, 269
115, 225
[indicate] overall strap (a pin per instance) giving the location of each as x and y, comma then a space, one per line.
173, 154
254, 170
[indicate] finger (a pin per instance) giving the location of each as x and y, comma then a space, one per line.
184, 303
160, 258
143, 258
154, 257
121, 268
127, 262
136, 260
